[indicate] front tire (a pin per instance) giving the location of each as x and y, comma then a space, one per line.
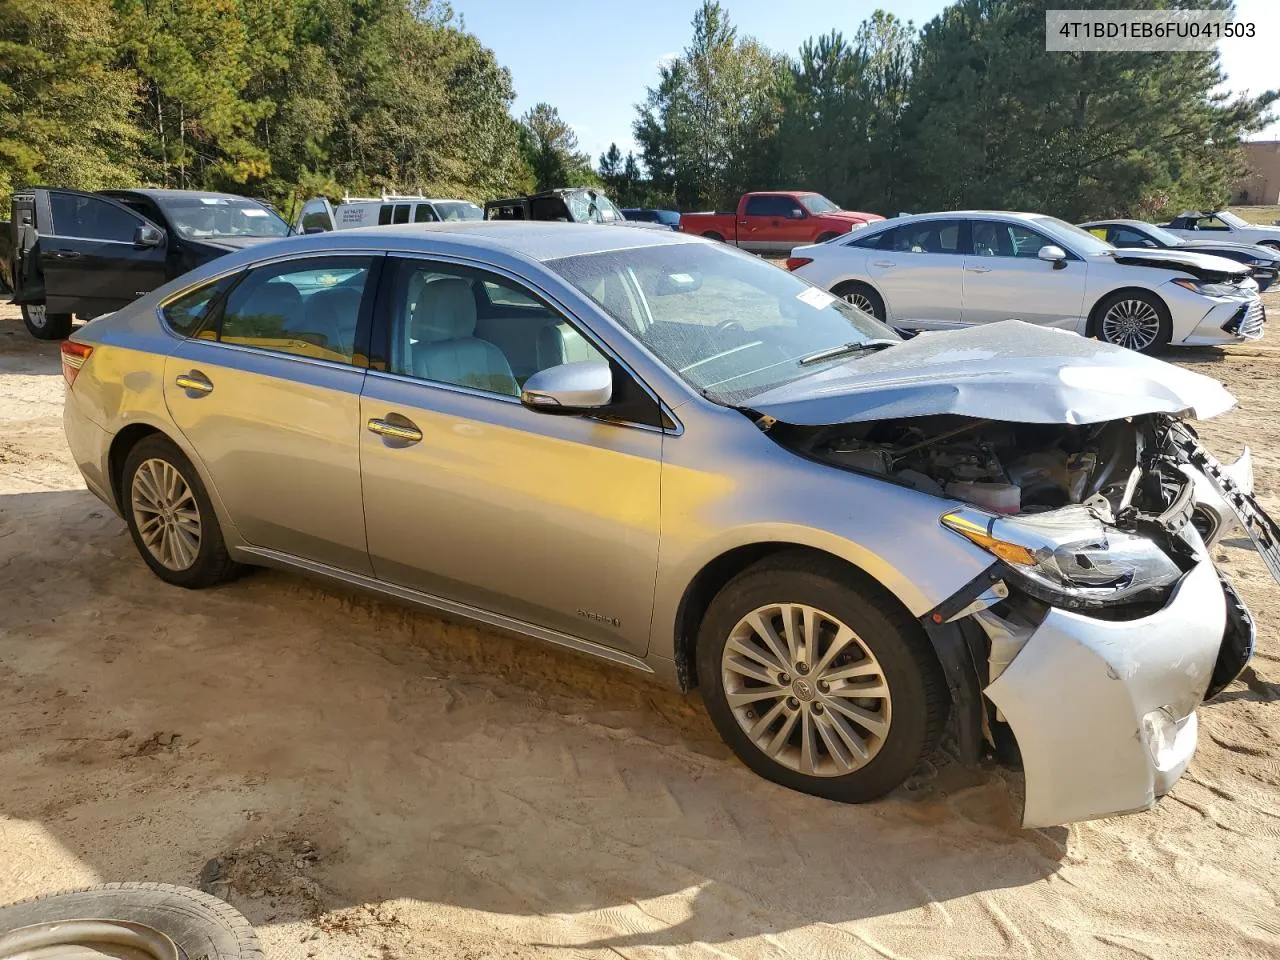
862, 296
1270, 245
824, 237
44, 325
817, 681
1134, 319
171, 517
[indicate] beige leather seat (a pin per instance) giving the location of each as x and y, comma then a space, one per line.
447, 350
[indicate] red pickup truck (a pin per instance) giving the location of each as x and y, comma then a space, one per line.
774, 222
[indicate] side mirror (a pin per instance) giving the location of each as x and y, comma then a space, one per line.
1053, 254
569, 388
147, 236
313, 229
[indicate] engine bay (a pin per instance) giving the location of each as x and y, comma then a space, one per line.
1124, 470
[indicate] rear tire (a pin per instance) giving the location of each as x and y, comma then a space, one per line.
862, 296
44, 325
171, 518
892, 681
1134, 319
712, 235
201, 926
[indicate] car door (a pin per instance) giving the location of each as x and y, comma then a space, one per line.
473, 499
761, 222
918, 268
93, 257
267, 393
316, 216
1005, 279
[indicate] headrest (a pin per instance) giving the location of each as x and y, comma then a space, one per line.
337, 306
446, 310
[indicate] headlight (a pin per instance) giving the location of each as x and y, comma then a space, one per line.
1068, 557
1217, 289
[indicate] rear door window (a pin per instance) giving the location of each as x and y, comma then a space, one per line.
308, 307
401, 214
384, 215
91, 218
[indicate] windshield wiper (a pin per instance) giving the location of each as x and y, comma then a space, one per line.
830, 353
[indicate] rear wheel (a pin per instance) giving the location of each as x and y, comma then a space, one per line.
861, 296
816, 682
1134, 319
171, 517
712, 235
44, 325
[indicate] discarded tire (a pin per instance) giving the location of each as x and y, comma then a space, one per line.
156, 921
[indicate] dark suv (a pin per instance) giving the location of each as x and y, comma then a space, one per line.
568, 204
86, 254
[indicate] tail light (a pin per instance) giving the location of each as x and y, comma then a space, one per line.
74, 356
795, 263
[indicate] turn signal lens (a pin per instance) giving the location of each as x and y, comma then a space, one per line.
1008, 552
795, 263
74, 356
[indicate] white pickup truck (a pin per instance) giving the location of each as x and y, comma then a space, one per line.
1223, 225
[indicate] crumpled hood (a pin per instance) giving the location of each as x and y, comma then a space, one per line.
1202, 266
1010, 370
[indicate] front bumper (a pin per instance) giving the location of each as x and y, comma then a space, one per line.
1226, 321
1077, 692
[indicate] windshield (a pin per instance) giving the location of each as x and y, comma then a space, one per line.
817, 203
198, 218
589, 206
729, 324
1080, 241
1228, 217
451, 210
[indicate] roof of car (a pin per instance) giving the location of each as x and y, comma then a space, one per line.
158, 194
538, 240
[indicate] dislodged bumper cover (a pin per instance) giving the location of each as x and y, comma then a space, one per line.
1011, 371
1076, 694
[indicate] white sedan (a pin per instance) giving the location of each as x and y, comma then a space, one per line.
1224, 225
941, 271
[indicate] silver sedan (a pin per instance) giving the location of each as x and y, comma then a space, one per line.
941, 271
671, 455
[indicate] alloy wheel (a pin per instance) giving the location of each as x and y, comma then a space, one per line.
1131, 323
166, 514
806, 689
861, 301
37, 315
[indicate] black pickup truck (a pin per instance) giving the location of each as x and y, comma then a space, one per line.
567, 205
85, 254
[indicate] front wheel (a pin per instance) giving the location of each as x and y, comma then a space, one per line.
44, 325
1134, 319
824, 237
171, 517
816, 682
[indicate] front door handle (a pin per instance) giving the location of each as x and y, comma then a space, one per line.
66, 254
978, 269
884, 263
406, 431
195, 383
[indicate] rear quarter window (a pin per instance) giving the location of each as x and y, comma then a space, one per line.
185, 315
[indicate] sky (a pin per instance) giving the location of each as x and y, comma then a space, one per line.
595, 65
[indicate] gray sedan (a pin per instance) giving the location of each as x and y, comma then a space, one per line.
676, 457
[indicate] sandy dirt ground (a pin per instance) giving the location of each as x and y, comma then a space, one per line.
363, 780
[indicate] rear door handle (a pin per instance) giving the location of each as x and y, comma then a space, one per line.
195, 383
884, 263
406, 432
978, 269
66, 254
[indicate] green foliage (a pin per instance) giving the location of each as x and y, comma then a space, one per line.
275, 98
550, 150
65, 108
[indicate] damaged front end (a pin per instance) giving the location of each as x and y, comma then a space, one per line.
1083, 651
